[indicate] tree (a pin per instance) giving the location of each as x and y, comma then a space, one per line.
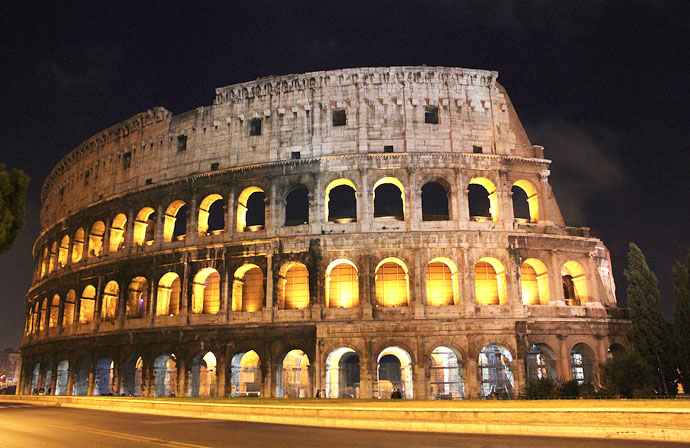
681, 318
650, 333
627, 375
13, 185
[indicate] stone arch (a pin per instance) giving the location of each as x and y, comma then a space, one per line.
168, 295
541, 362
490, 282
248, 288
525, 202
63, 251
343, 373
442, 283
144, 227
435, 201
392, 283
175, 221
104, 376
111, 295
87, 304
202, 377
245, 374
494, 369
78, 245
206, 294
574, 283
96, 239
80, 384
137, 298
251, 210
52, 260
342, 284
394, 371
211, 215
54, 311
445, 374
391, 198
293, 286
118, 230
43, 314
62, 375
68, 308
297, 206
483, 200
132, 374
44, 262
534, 279
341, 201
293, 377
582, 360
165, 375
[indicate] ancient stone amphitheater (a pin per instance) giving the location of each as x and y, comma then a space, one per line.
343, 233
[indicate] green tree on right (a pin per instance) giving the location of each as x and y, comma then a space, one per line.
13, 185
681, 319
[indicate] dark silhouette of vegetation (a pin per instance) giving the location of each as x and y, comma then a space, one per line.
627, 376
681, 318
13, 185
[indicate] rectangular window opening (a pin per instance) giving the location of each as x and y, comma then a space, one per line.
255, 126
126, 160
295, 155
181, 143
388, 148
477, 149
339, 117
149, 181
215, 166
431, 115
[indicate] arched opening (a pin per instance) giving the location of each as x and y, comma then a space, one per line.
145, 227
47, 378
211, 215
293, 286
248, 289
175, 222
137, 298
206, 296
87, 305
44, 262
168, 298
541, 363
251, 210
525, 202
441, 282
293, 379
104, 377
394, 373
62, 375
582, 363
342, 284
165, 375
80, 385
245, 375
34, 378
78, 245
96, 239
132, 371
54, 311
35, 316
434, 202
68, 311
574, 283
118, 229
342, 373
392, 283
297, 207
494, 367
202, 375
52, 261
63, 251
111, 293
534, 279
341, 201
615, 351
43, 315
490, 282
483, 200
389, 199
445, 375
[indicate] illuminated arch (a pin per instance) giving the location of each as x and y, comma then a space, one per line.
395, 182
205, 212
68, 308
442, 285
168, 297
293, 286
245, 379
541, 362
491, 194
582, 362
292, 377
392, 374
78, 245
243, 208
342, 373
44, 262
206, 295
248, 288
54, 311
111, 294
342, 284
532, 198
494, 369
574, 283
52, 261
165, 375
392, 283
445, 374
170, 219
137, 298
144, 227
96, 239
87, 304
44, 314
118, 229
202, 375
338, 183
63, 251
490, 282
534, 278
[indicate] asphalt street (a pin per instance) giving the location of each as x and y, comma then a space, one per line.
26, 425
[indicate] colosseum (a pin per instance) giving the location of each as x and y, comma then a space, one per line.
345, 233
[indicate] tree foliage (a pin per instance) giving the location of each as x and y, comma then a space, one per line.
13, 185
650, 332
628, 376
681, 317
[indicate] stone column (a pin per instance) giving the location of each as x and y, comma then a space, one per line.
53, 378
364, 216
183, 377
555, 281
106, 237
230, 224
193, 222
221, 373
462, 208
366, 389
129, 232
117, 374
471, 376
158, 232
92, 376
267, 370
564, 370
70, 376
268, 306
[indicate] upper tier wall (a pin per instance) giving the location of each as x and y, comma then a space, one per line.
383, 106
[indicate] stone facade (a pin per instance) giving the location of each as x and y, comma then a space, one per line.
168, 237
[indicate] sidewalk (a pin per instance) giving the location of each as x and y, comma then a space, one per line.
657, 420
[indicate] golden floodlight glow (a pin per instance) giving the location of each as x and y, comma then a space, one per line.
577, 272
534, 278
170, 219
248, 288
294, 286
117, 232
332, 185
168, 299
143, 231
242, 207
441, 282
87, 304
393, 181
492, 193
204, 207
68, 313
63, 251
96, 239
342, 284
78, 245
109, 301
489, 282
392, 283
54, 311
137, 297
206, 298
532, 199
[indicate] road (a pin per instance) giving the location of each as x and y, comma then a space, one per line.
25, 425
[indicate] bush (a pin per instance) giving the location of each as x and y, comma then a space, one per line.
627, 376
569, 389
539, 389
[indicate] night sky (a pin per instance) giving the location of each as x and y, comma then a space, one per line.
603, 86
